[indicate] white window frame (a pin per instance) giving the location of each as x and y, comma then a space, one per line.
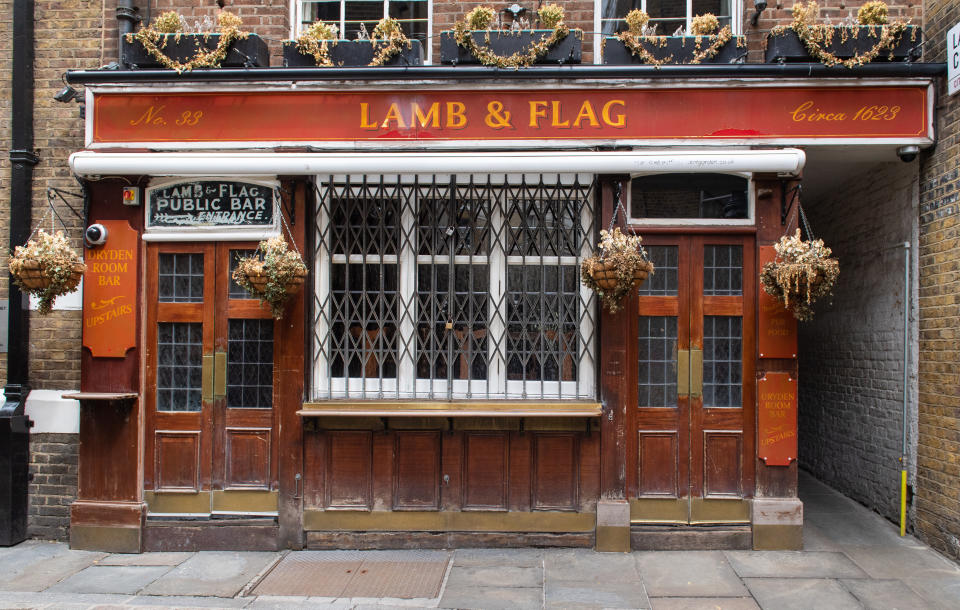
725, 222
736, 22
496, 386
297, 12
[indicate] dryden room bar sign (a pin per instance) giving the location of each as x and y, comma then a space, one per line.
210, 204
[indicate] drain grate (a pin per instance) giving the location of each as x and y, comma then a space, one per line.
399, 574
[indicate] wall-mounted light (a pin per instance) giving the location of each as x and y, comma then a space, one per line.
758, 7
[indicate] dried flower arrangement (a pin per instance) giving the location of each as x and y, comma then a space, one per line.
816, 37
481, 18
387, 40
620, 266
272, 274
47, 267
154, 37
317, 40
705, 26
802, 273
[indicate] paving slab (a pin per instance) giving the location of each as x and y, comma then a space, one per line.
703, 603
815, 540
42, 567
593, 594
506, 576
588, 565
860, 528
60, 600
885, 594
940, 591
280, 602
145, 559
214, 573
188, 601
110, 579
688, 574
520, 558
493, 598
917, 560
793, 564
801, 594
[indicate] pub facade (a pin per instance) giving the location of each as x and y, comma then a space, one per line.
443, 378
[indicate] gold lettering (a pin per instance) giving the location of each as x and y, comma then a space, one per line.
393, 114
586, 112
365, 117
150, 117
555, 122
456, 110
619, 120
432, 116
538, 110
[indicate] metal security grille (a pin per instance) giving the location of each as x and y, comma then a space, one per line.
179, 348
722, 361
444, 287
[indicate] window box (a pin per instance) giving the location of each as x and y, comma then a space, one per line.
352, 53
681, 50
249, 52
567, 50
786, 46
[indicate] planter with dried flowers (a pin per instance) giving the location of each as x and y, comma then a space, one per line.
273, 273
620, 265
319, 46
164, 43
46, 267
872, 39
472, 41
707, 43
802, 273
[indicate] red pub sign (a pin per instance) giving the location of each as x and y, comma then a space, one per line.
751, 114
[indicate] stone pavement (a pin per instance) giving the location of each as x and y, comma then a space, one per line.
852, 559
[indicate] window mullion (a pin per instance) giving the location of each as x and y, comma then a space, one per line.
496, 345
406, 382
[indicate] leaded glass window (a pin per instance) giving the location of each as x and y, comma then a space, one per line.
179, 366
453, 287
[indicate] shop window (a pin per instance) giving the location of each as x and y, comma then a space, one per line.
667, 15
722, 199
349, 15
442, 287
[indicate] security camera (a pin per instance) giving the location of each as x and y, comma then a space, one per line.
908, 153
96, 235
68, 94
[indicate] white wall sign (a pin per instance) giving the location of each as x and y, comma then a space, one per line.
953, 60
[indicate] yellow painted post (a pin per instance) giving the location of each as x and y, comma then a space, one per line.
903, 502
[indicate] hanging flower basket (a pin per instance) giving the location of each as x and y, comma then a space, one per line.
272, 274
802, 273
619, 267
47, 267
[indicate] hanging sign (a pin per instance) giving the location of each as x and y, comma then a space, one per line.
953, 60
110, 292
777, 419
753, 114
776, 325
211, 204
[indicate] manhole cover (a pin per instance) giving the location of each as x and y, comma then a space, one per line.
401, 574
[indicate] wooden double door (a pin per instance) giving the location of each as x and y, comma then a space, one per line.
692, 416
210, 443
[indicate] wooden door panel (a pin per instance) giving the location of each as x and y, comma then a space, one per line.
349, 470
659, 464
417, 471
554, 482
723, 463
247, 458
485, 472
177, 460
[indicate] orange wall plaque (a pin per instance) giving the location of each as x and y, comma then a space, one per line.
110, 292
777, 419
777, 326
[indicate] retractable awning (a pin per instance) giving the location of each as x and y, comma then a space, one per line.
91, 164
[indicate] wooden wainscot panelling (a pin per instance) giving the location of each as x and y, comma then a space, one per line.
485, 472
177, 460
723, 466
349, 470
416, 477
314, 466
555, 484
248, 458
658, 454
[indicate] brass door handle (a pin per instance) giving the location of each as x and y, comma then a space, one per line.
220, 374
206, 378
683, 373
696, 373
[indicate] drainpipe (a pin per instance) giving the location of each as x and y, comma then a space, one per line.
906, 356
14, 425
128, 16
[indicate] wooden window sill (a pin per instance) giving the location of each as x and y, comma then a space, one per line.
465, 408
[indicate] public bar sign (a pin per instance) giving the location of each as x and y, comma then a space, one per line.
205, 204
752, 114
777, 326
777, 419
110, 292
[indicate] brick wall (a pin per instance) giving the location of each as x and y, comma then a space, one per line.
53, 464
851, 354
938, 471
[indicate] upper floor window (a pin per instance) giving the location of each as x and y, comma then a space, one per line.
414, 16
667, 15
